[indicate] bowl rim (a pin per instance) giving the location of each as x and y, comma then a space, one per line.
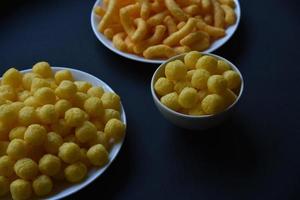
160, 61
99, 171
181, 56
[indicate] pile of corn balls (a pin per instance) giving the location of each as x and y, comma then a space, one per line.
199, 85
52, 128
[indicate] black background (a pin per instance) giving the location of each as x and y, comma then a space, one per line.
254, 155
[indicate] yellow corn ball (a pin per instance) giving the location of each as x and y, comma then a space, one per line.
45, 95
53, 142
63, 75
202, 94
6, 166
35, 135
43, 69
4, 186
171, 101
213, 104
60, 176
222, 67
180, 85
61, 106
233, 79
98, 155
17, 106
83, 157
49, 165
53, 84
188, 97
35, 152
99, 124
28, 78
75, 172
199, 79
216, 84
4, 129
66, 90
208, 63
189, 75
75, 117
111, 100
96, 91
197, 110
86, 132
20, 189
94, 107
47, 114
175, 70
39, 83
2, 101
3, 147
101, 138
12, 77
7, 93
61, 127
26, 168
27, 115
163, 86
191, 58
114, 128
8, 114
31, 101
79, 99
110, 114
229, 97
16, 149
42, 185
82, 86
72, 138
69, 152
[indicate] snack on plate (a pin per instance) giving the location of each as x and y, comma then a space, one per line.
198, 85
53, 129
163, 28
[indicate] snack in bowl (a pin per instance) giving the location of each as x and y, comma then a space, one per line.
53, 129
160, 29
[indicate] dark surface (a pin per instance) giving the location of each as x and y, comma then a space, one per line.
255, 155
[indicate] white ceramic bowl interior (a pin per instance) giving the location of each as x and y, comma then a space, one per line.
65, 189
188, 121
218, 43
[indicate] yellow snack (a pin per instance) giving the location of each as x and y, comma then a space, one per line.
43, 69
171, 101
228, 2
53, 142
180, 25
47, 114
216, 84
20, 189
6, 166
4, 186
182, 49
188, 97
17, 106
175, 70
4, 129
230, 17
192, 10
233, 79
229, 97
8, 114
95, 91
202, 94
83, 157
7, 92
222, 67
208, 19
157, 19
170, 24
32, 102
42, 185
75, 172
99, 123
189, 75
34, 152
98, 155
27, 116
125, 18
16, 149
35, 135
12, 77
206, 6
94, 107
28, 78
75, 117
26, 168
208, 63
159, 51
82, 86
114, 128
61, 106
175, 10
101, 138
211, 30
39, 83
219, 15
110, 114
3, 147
78, 99
69, 152
119, 41
72, 138
191, 58
163, 86
108, 16
66, 89
180, 85
45, 95
111, 100
49, 165
61, 127
86, 132
213, 104
199, 79
145, 8
197, 41
63, 75
197, 110
158, 5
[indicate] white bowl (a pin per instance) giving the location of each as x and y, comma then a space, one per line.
65, 189
106, 42
188, 121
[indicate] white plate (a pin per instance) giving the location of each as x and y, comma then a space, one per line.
64, 189
106, 42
